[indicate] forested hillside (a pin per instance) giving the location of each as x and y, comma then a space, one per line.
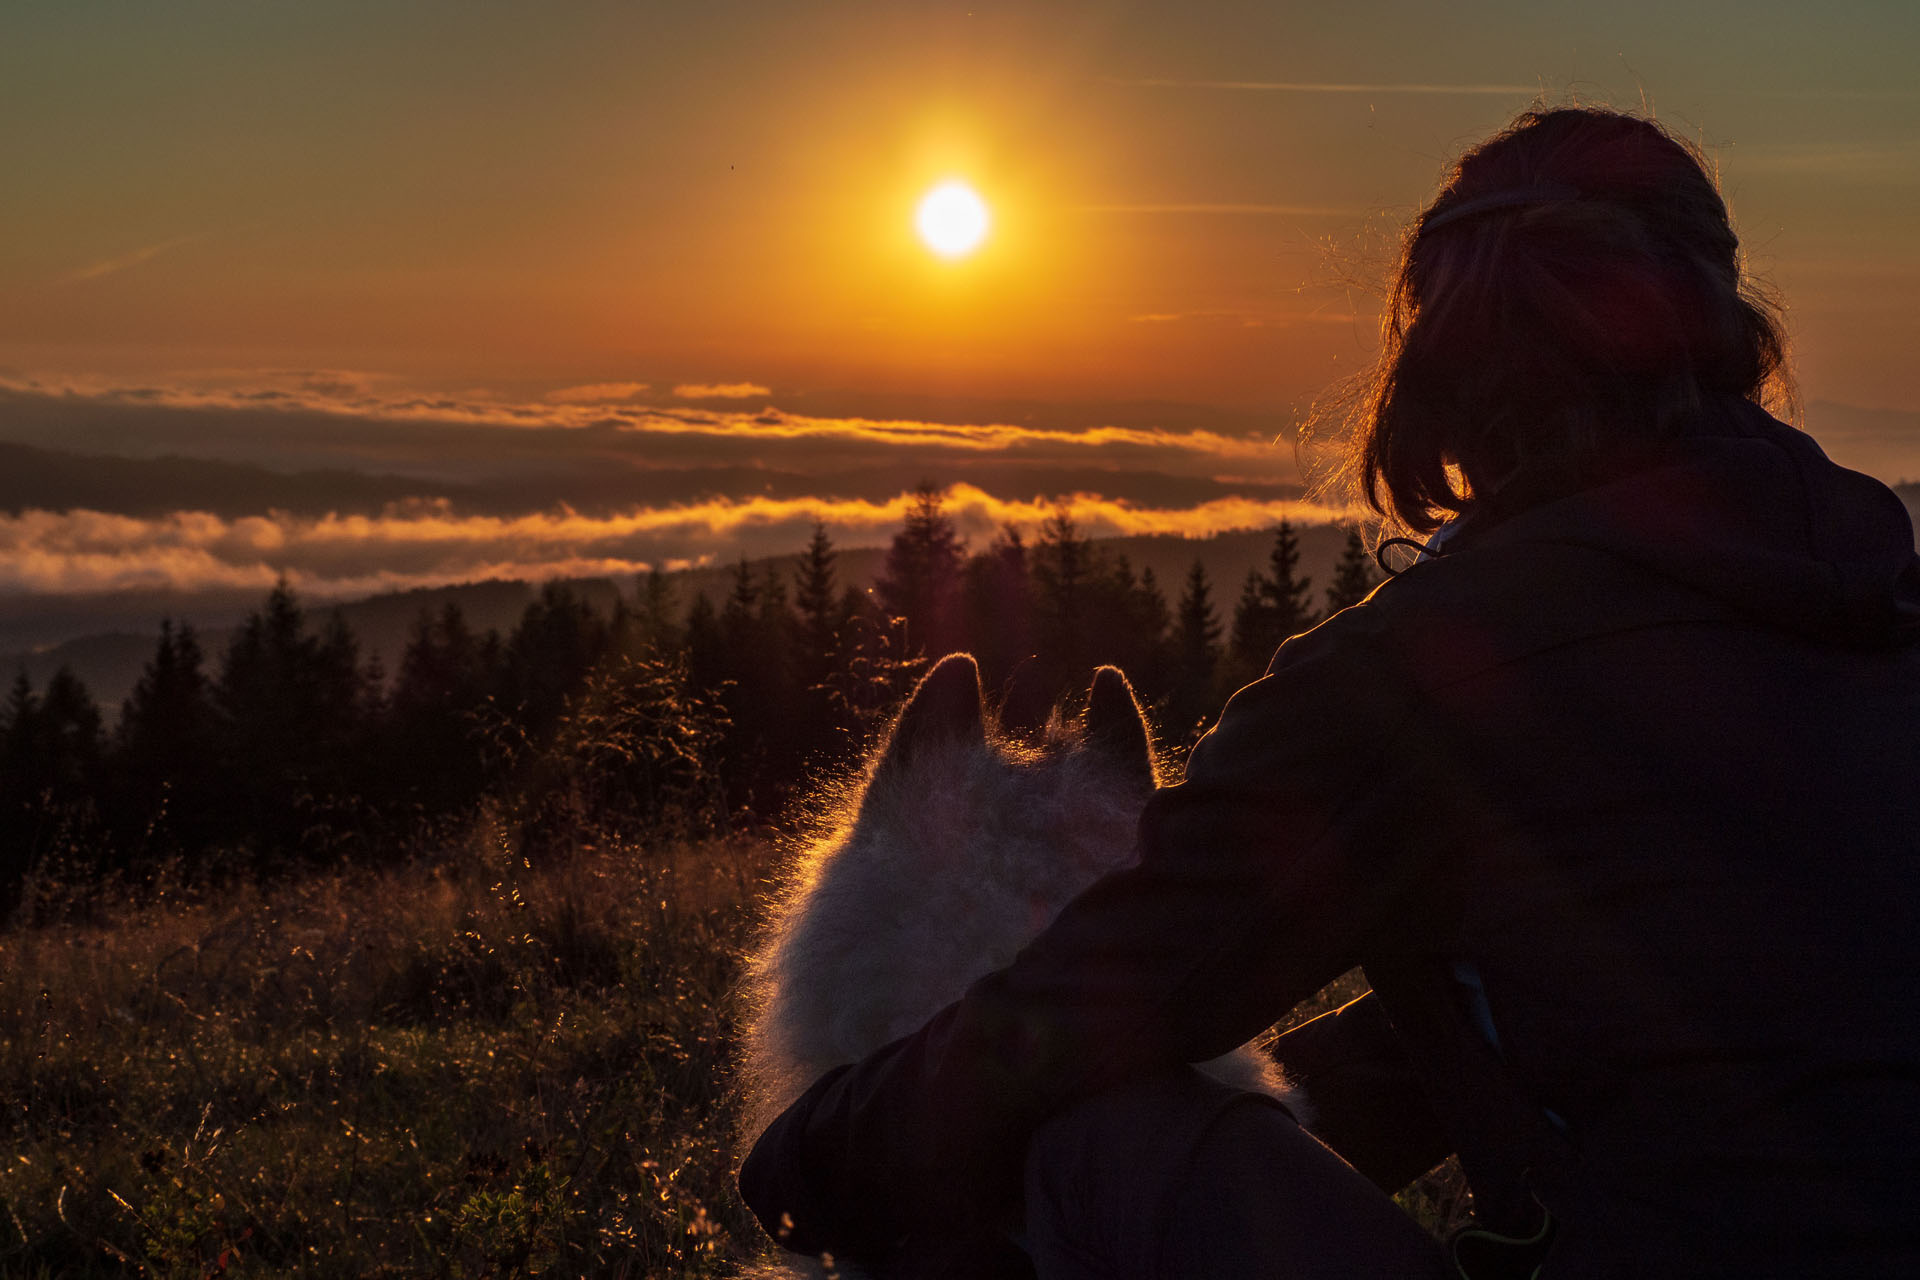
288, 744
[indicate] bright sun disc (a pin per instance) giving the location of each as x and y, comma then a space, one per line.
952, 219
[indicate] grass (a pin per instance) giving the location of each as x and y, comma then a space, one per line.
470, 1068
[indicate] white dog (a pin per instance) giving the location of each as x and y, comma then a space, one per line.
959, 848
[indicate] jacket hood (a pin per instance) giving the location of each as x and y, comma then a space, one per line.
1751, 513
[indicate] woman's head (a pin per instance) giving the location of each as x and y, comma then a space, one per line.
1574, 291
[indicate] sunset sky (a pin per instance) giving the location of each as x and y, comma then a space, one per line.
657, 262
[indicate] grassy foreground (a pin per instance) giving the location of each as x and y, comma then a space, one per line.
475, 1068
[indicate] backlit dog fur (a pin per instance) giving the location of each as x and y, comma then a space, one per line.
958, 848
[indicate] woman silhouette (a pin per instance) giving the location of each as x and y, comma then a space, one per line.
1612, 793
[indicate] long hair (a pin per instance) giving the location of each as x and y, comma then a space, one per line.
1575, 291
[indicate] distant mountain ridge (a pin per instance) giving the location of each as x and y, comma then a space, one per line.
36, 478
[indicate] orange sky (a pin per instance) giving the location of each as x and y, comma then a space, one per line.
389, 293
1190, 203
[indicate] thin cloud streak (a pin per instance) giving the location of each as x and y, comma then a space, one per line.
1322, 86
971, 437
1894, 163
596, 393
1254, 210
720, 390
1247, 319
110, 266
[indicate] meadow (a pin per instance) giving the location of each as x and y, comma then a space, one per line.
466, 1067
473, 1068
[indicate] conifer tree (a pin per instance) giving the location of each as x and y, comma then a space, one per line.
70, 723
344, 684
1064, 565
16, 719
1152, 621
817, 599
1197, 692
437, 759
997, 627
1248, 645
441, 667
1273, 606
49, 774
167, 716
775, 622
292, 712
743, 602
921, 579
1196, 632
559, 640
658, 627
19, 787
1124, 625
1287, 594
706, 659
164, 751
1354, 576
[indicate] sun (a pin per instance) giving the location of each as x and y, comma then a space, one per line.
952, 219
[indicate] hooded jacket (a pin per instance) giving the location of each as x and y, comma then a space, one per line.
1642, 758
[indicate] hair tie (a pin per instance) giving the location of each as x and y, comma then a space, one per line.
1514, 198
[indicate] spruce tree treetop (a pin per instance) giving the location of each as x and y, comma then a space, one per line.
1285, 590
922, 576
743, 600
657, 623
817, 598
1196, 625
1354, 577
169, 703
1251, 627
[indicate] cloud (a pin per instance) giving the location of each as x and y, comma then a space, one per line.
1894, 163
1323, 86
1260, 210
596, 393
771, 427
474, 438
720, 390
110, 266
1245, 319
430, 544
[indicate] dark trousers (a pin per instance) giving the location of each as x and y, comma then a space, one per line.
1180, 1176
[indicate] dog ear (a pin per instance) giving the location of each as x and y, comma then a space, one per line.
1116, 727
944, 710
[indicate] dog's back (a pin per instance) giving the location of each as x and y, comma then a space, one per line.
958, 850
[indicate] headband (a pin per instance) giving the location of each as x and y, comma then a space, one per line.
1512, 198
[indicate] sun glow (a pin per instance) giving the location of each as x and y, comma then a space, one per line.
952, 219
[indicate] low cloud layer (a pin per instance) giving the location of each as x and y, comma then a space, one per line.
350, 484
88, 552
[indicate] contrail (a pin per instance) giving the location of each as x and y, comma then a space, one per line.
1288, 210
110, 265
1323, 86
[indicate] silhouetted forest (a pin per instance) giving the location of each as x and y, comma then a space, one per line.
654, 716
